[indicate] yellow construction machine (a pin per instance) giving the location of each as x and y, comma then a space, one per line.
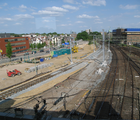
74, 49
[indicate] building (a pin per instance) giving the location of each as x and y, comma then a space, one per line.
128, 35
73, 35
19, 44
56, 40
4, 35
88, 31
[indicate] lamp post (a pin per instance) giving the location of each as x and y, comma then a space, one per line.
109, 42
71, 50
35, 61
93, 44
103, 46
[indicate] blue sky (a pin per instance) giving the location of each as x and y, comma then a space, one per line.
63, 16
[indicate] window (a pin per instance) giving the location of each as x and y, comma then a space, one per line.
14, 44
17, 39
17, 48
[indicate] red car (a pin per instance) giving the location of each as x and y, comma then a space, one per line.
13, 73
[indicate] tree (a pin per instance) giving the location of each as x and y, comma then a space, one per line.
9, 50
89, 42
54, 43
39, 45
43, 44
68, 41
50, 43
83, 35
63, 41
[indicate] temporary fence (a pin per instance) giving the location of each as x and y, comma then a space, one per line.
32, 69
60, 52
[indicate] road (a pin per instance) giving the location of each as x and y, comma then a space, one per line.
19, 56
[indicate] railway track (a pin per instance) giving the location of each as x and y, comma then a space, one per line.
129, 88
103, 100
132, 50
133, 64
6, 92
71, 78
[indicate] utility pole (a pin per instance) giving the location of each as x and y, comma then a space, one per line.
109, 43
93, 44
103, 46
71, 51
35, 60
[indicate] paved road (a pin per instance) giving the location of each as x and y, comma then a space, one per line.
5, 60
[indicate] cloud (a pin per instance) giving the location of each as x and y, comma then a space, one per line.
6, 19
17, 24
52, 11
0, 7
70, 7
128, 6
45, 12
22, 7
87, 16
23, 16
58, 9
79, 22
137, 16
5, 4
69, 1
95, 2
65, 24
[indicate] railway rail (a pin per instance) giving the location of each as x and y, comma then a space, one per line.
32, 99
102, 96
30, 82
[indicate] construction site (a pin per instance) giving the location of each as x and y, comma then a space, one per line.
93, 82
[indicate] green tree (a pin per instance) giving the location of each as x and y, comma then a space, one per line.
68, 41
63, 41
89, 42
43, 44
50, 43
33, 46
83, 35
39, 45
54, 43
9, 50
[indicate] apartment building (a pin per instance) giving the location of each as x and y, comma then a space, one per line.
19, 44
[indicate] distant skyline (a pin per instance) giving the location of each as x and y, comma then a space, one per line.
64, 16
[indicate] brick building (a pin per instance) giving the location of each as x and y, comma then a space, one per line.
129, 35
19, 44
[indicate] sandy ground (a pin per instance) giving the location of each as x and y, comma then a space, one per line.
57, 62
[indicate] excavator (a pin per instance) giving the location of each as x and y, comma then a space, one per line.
74, 49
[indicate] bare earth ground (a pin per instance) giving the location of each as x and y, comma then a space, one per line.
57, 62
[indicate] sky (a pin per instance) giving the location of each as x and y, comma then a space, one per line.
64, 16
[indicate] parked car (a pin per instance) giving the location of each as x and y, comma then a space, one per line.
13, 55
33, 52
47, 51
41, 50
26, 53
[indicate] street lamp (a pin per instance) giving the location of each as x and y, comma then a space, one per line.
35, 60
71, 50
103, 46
109, 42
93, 44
